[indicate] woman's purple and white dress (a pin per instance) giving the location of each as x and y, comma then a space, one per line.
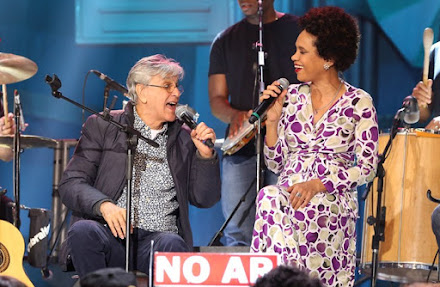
340, 150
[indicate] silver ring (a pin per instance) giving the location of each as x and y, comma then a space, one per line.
298, 194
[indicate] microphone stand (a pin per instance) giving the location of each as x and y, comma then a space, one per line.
132, 140
215, 241
106, 94
262, 87
378, 222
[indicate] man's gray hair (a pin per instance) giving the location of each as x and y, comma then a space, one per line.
148, 67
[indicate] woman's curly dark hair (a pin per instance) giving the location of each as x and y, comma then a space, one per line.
337, 34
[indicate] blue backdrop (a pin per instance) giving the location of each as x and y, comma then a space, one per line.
45, 32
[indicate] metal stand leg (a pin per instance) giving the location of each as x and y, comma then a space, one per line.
61, 158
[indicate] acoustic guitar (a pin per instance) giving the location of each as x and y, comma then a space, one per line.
11, 253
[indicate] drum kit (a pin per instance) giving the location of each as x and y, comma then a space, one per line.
13, 69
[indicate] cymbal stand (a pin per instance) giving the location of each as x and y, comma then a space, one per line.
16, 166
132, 137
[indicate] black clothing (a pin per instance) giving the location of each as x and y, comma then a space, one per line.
97, 171
434, 74
232, 54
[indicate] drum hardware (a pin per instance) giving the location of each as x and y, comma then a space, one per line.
14, 68
16, 165
432, 267
430, 197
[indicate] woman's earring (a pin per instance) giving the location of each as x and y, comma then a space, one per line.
326, 66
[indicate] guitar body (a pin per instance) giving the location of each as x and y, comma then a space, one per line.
11, 253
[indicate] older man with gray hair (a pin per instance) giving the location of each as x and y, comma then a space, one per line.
181, 170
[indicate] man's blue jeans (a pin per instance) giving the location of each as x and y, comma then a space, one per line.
239, 173
92, 246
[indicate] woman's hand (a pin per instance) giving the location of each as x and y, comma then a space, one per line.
274, 112
199, 135
302, 193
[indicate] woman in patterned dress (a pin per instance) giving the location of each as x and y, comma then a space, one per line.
321, 136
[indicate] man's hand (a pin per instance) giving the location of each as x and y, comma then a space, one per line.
434, 124
200, 134
115, 218
7, 129
237, 122
423, 93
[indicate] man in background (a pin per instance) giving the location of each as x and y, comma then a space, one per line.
234, 92
428, 96
428, 99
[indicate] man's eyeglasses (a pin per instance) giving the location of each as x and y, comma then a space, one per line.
169, 87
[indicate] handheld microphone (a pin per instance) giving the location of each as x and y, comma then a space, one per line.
411, 112
18, 103
265, 104
189, 116
111, 83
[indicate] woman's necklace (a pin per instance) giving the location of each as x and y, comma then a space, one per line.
315, 111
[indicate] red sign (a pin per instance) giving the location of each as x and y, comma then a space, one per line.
211, 269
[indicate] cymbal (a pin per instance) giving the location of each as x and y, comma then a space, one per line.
15, 68
28, 141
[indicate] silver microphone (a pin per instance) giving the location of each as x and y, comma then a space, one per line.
411, 112
182, 110
189, 116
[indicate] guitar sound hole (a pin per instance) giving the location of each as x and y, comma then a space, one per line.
4, 258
